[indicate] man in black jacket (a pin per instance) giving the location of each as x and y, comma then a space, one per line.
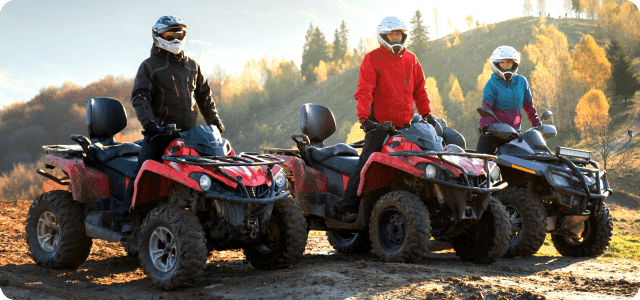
167, 89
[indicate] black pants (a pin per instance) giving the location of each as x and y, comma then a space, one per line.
373, 142
486, 145
151, 148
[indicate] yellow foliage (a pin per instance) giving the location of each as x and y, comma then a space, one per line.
456, 41
592, 113
456, 94
321, 72
446, 46
435, 98
590, 63
484, 76
355, 134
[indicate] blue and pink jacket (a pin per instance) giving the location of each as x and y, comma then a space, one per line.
506, 99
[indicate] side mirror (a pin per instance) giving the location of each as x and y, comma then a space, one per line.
546, 115
485, 112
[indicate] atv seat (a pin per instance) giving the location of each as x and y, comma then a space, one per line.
342, 164
125, 165
322, 154
107, 153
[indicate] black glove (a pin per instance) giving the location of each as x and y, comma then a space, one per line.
483, 129
151, 130
219, 125
368, 125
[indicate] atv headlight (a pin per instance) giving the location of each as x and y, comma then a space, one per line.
205, 182
495, 173
430, 171
281, 180
559, 180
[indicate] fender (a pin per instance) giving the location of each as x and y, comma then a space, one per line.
85, 183
155, 180
380, 170
315, 181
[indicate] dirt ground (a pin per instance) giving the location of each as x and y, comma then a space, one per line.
322, 274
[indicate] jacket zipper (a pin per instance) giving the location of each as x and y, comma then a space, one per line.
514, 98
406, 82
188, 90
175, 86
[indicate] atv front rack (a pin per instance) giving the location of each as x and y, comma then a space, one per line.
243, 159
466, 183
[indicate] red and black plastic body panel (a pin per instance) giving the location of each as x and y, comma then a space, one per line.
85, 183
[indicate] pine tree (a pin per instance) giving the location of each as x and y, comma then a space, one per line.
418, 35
340, 42
313, 51
624, 81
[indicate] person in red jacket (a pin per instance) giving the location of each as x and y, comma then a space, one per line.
391, 80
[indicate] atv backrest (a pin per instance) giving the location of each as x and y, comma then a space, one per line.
317, 122
105, 117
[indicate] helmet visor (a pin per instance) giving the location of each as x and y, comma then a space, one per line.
173, 35
498, 60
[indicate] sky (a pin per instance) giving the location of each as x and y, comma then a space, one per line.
47, 42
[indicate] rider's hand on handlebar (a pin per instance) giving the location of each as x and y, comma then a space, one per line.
151, 130
368, 125
219, 125
483, 130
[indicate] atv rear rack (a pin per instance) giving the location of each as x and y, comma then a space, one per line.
243, 159
466, 184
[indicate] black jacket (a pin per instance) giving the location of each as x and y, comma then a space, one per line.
175, 82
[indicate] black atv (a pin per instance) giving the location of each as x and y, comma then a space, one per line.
560, 193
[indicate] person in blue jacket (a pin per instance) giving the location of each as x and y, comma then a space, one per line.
506, 94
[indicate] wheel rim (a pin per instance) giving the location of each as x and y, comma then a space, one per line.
273, 237
163, 249
391, 229
515, 218
48, 231
575, 240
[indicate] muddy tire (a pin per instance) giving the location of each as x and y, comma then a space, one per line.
596, 238
55, 231
528, 221
287, 235
172, 247
400, 228
351, 242
486, 241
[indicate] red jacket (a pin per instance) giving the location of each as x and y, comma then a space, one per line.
388, 86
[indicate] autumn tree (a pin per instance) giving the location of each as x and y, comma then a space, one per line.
418, 36
469, 21
527, 8
624, 81
551, 80
590, 63
434, 97
577, 7
313, 51
592, 119
542, 7
320, 72
435, 17
590, 7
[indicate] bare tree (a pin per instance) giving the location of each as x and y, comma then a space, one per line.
435, 16
568, 7
527, 8
469, 21
449, 26
219, 73
542, 8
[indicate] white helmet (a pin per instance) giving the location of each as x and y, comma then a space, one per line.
168, 33
505, 52
387, 25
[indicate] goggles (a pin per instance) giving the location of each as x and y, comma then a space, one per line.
173, 35
504, 60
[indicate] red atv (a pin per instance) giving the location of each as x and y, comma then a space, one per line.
203, 197
412, 190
